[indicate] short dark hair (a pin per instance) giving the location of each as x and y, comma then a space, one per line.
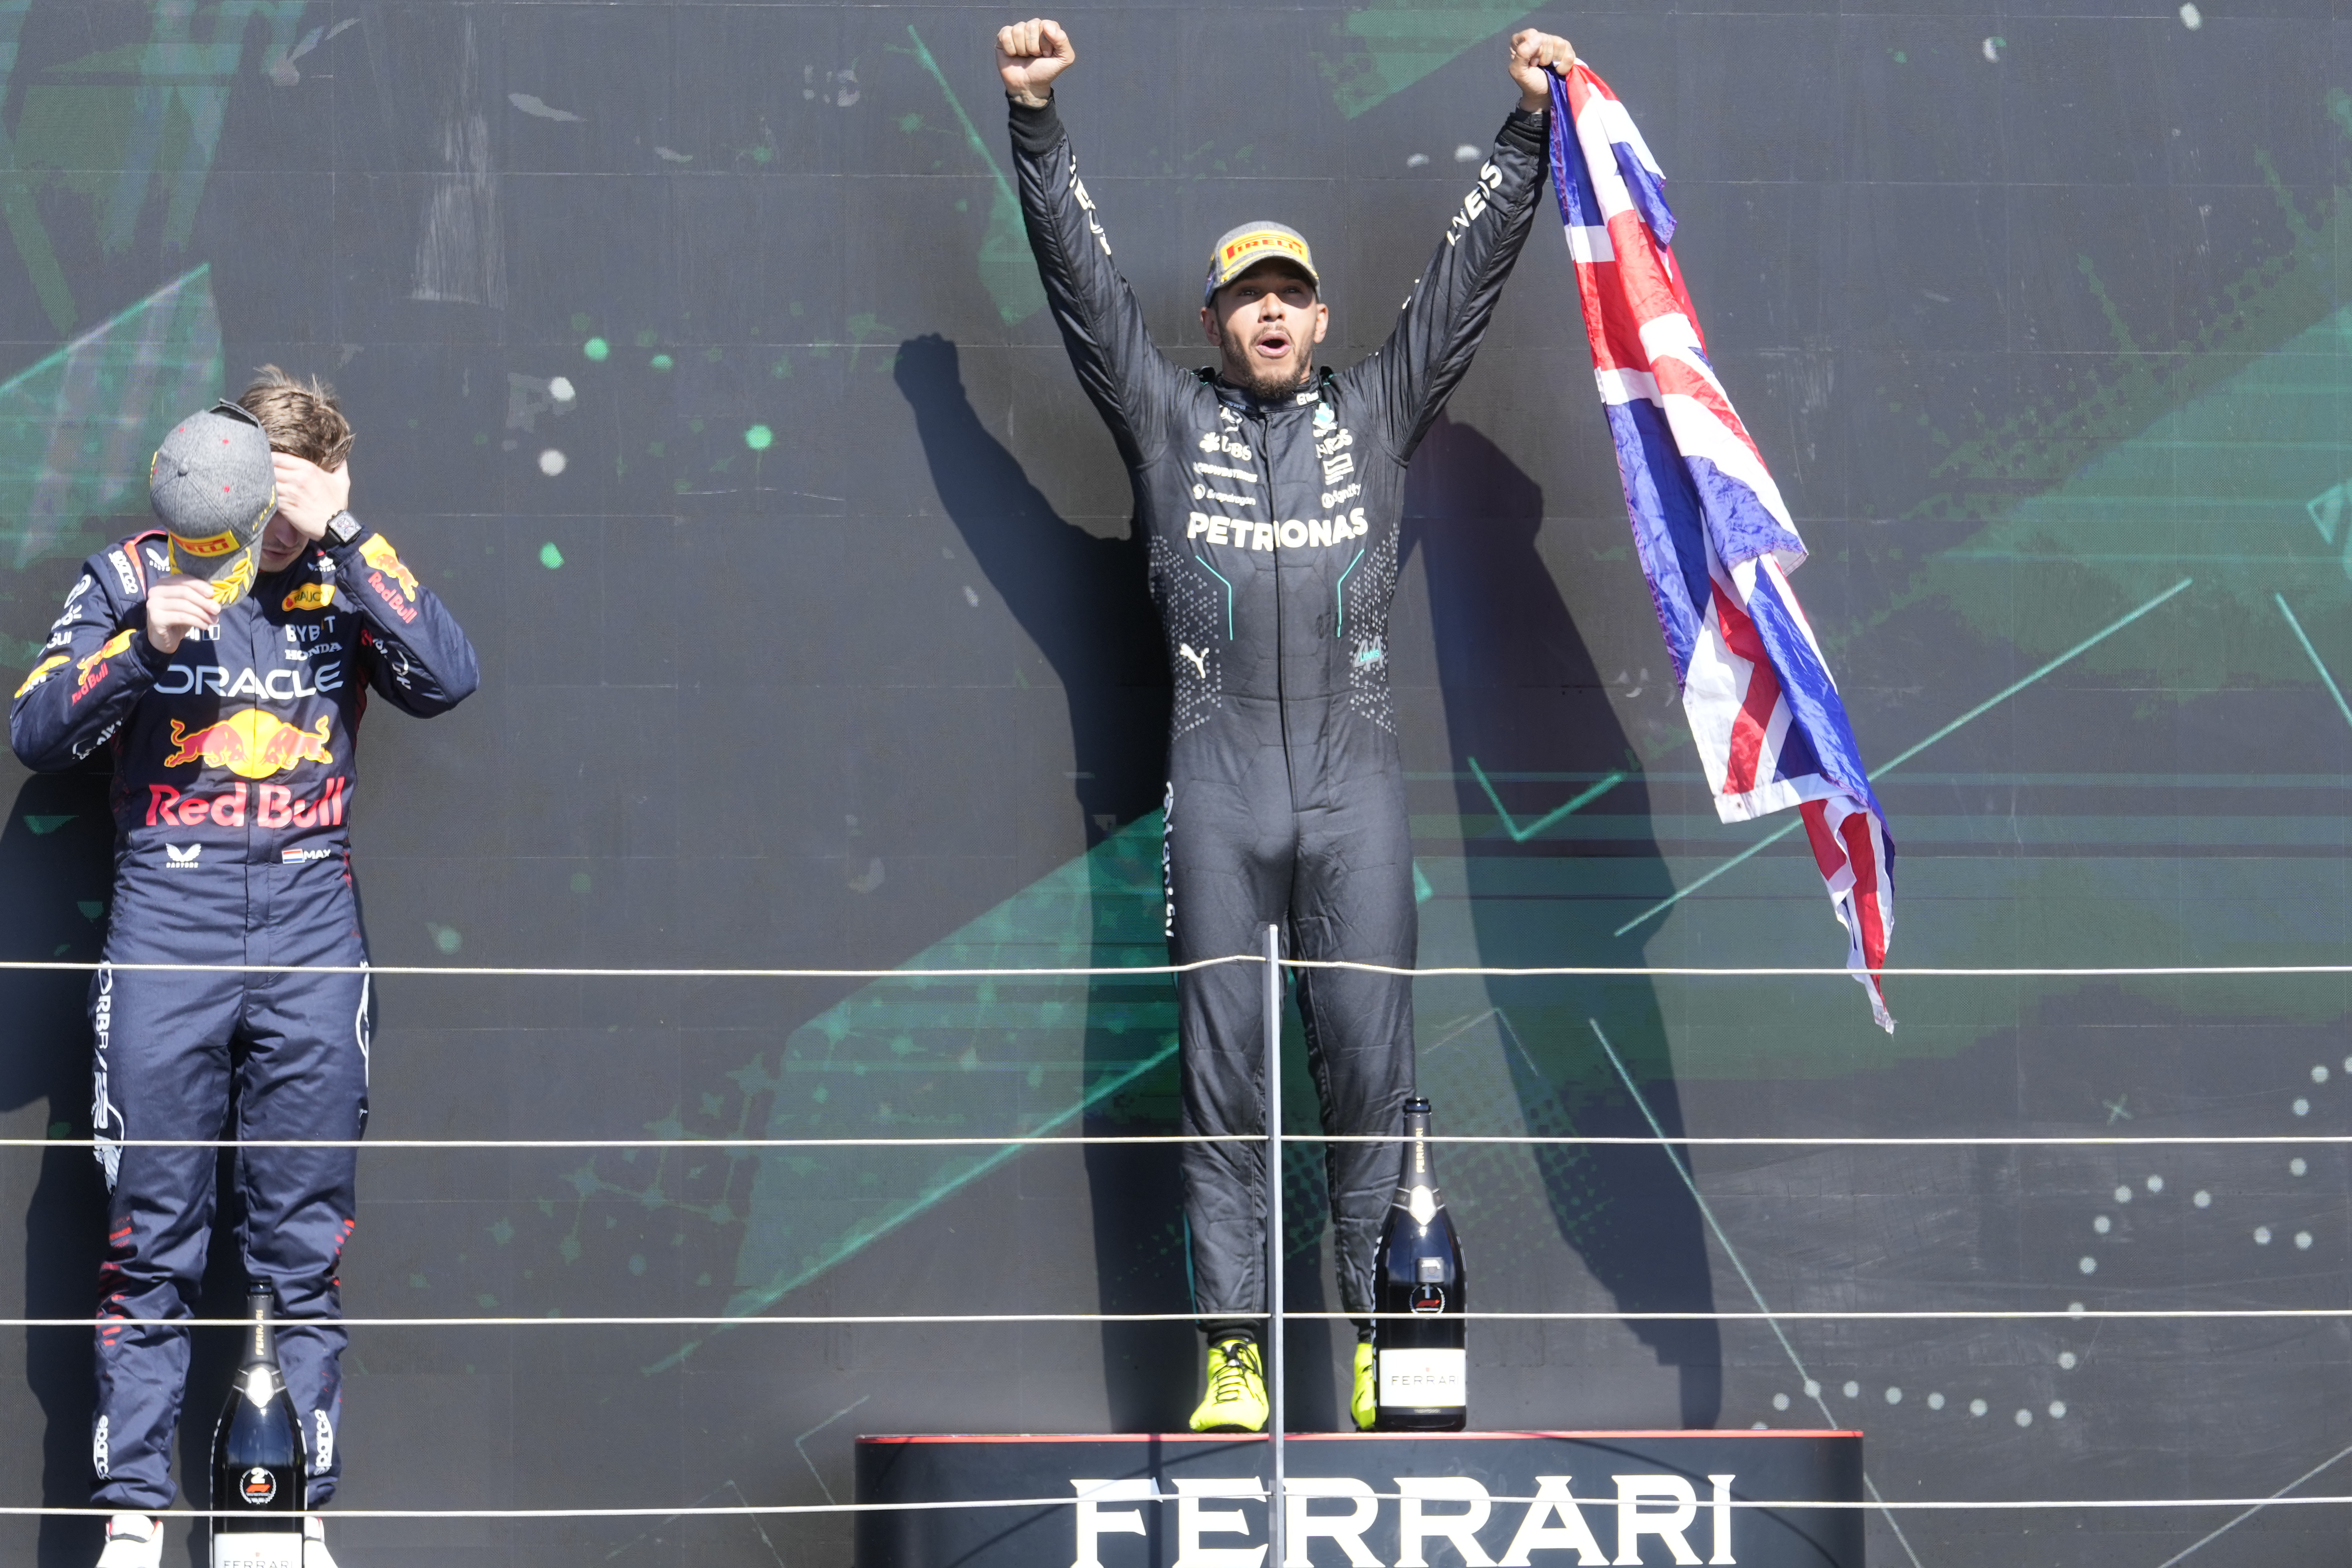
301, 418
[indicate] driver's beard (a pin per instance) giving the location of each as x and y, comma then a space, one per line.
1268, 384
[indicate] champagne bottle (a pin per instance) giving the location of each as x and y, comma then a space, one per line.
259, 1468
1423, 1374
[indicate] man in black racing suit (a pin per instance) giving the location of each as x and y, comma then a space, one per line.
232, 707
1269, 491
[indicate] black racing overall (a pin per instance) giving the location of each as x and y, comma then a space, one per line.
1273, 533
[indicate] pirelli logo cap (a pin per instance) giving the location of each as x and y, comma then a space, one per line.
212, 487
1245, 246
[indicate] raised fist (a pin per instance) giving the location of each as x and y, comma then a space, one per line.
1029, 56
1534, 56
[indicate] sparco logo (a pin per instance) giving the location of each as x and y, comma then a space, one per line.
99, 1458
1455, 1509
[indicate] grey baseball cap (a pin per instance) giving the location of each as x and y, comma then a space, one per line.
1244, 248
213, 488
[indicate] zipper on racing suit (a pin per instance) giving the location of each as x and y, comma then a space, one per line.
1274, 517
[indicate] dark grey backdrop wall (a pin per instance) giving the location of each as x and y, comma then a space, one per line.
698, 360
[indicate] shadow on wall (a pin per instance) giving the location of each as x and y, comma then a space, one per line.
56, 863
1085, 602
1523, 698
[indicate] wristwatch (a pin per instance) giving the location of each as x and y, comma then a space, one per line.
342, 529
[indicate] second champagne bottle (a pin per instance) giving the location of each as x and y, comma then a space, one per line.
1420, 1359
259, 1467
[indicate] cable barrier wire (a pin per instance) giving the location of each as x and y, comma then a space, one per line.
1770, 1140
2072, 1312
1564, 971
925, 977
740, 1511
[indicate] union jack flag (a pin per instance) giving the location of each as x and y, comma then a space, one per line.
1714, 536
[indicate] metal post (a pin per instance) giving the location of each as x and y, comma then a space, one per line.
1274, 1357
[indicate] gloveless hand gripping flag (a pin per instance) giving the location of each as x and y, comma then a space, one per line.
1714, 536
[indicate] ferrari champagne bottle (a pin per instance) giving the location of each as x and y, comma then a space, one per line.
259, 1478
1423, 1369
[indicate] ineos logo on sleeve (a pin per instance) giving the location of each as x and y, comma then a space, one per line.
1474, 205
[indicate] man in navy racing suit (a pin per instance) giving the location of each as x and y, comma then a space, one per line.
1269, 491
231, 699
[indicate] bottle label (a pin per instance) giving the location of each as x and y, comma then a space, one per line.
258, 1488
1420, 1379
239, 1550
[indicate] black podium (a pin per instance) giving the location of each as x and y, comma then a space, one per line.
1508, 1499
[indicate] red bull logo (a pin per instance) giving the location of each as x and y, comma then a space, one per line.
381, 555
250, 743
41, 672
93, 669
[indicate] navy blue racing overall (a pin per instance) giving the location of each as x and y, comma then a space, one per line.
232, 788
1271, 525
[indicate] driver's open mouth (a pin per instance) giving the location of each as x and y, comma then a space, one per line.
1273, 346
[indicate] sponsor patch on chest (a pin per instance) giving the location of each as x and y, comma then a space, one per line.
1292, 533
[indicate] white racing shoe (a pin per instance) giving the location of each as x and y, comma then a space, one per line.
314, 1543
132, 1541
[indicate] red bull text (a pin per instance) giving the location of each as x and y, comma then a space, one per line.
94, 667
274, 806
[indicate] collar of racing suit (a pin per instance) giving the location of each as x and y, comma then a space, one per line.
1318, 380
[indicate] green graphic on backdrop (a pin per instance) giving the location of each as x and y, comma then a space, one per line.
2237, 485
77, 428
115, 125
2225, 455
1387, 46
959, 1059
17, 204
1007, 270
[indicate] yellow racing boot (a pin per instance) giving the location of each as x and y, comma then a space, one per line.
1236, 1401
1365, 1405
